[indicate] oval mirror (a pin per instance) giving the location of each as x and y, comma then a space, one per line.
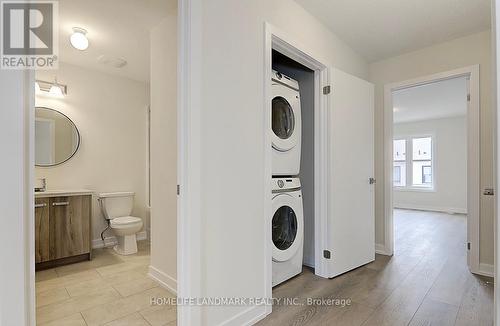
56, 137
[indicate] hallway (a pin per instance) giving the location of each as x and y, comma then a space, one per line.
426, 282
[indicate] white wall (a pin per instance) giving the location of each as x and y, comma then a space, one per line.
164, 151
110, 114
465, 51
232, 139
17, 267
450, 165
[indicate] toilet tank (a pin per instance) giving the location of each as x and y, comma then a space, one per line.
116, 204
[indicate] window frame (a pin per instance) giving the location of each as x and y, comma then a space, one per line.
405, 161
399, 168
409, 163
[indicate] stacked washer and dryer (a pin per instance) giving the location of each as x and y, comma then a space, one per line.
288, 216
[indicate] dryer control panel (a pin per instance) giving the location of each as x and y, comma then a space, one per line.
285, 80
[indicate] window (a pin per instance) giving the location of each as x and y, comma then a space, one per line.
417, 168
399, 163
397, 174
427, 174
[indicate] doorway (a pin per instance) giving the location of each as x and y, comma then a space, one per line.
343, 108
415, 153
285, 57
118, 102
305, 78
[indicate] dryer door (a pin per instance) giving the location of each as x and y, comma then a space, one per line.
287, 226
285, 120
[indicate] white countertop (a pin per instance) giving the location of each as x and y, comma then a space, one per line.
63, 193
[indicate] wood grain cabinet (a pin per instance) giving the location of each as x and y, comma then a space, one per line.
42, 252
62, 230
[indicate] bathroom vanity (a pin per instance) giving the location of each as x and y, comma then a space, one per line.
62, 227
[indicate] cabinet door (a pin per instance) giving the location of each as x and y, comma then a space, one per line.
69, 226
41, 230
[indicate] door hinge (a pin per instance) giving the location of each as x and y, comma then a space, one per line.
468, 245
327, 90
178, 190
372, 181
468, 97
327, 254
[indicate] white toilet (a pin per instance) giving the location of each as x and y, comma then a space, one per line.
116, 208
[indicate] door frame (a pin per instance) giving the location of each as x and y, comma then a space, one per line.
285, 43
473, 158
21, 274
190, 237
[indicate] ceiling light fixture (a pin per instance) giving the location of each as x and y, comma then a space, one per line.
79, 39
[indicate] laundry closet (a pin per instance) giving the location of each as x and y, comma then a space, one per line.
305, 79
322, 170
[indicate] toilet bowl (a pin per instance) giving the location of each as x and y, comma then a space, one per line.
116, 208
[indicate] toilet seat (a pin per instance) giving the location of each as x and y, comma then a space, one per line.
125, 221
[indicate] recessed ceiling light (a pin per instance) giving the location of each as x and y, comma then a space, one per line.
79, 39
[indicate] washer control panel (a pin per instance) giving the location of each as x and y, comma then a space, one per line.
282, 183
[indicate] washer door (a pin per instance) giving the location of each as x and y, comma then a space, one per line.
285, 121
287, 226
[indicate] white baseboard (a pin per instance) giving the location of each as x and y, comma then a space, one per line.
249, 316
486, 270
450, 210
166, 281
380, 249
111, 241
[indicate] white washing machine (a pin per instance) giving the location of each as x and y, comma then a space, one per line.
286, 125
287, 229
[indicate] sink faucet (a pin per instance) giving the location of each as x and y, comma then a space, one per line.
42, 185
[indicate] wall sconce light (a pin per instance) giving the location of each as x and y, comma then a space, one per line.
53, 89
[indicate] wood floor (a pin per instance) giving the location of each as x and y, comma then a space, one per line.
426, 282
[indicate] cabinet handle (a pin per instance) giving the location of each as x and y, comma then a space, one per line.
40, 205
63, 203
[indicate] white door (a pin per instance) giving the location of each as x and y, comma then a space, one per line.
351, 201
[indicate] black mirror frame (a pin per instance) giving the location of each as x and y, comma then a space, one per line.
77, 132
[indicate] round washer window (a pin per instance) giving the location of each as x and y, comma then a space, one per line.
284, 227
283, 120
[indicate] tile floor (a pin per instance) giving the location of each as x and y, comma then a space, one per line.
109, 290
